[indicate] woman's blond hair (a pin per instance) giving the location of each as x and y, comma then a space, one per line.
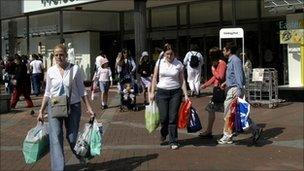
61, 46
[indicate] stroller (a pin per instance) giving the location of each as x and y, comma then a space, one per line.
128, 91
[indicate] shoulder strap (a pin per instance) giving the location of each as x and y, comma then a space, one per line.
70, 82
159, 67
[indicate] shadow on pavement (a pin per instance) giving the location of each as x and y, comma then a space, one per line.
266, 135
197, 141
129, 163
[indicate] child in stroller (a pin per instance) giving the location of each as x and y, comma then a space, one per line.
128, 92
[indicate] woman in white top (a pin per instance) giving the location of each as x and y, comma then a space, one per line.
170, 82
57, 83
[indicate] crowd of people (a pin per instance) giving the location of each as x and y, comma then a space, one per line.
162, 81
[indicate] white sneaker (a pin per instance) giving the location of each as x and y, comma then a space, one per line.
174, 146
226, 139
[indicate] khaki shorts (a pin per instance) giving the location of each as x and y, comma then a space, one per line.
231, 94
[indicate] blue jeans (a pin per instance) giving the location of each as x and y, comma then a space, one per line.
168, 102
56, 135
36, 78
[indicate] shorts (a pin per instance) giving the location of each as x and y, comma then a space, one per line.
104, 86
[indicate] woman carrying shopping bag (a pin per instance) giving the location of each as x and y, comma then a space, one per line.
170, 82
63, 93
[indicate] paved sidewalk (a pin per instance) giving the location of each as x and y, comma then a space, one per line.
128, 145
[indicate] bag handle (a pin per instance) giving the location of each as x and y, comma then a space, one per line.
70, 85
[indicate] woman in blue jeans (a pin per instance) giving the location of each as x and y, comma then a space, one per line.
170, 82
57, 83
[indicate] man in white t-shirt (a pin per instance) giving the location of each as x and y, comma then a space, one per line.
37, 71
194, 69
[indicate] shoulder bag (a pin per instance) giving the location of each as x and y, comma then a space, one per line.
60, 104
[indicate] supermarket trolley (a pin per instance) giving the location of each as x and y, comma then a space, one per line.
262, 87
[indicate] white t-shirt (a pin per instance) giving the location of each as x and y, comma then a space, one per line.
37, 66
54, 82
104, 74
169, 74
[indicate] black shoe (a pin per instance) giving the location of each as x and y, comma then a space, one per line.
257, 135
206, 136
105, 107
162, 139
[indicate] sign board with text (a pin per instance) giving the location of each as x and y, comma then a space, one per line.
39, 5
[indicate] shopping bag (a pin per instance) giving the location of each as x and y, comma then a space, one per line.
183, 114
82, 147
96, 139
194, 123
243, 113
36, 143
231, 119
151, 116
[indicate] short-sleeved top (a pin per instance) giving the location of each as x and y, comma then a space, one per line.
169, 74
104, 74
37, 66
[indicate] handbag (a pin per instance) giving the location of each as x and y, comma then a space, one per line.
60, 104
218, 95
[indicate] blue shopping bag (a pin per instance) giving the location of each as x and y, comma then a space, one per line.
194, 123
243, 111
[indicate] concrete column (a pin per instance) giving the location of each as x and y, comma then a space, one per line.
27, 35
61, 26
0, 35
139, 27
12, 34
233, 13
188, 26
260, 45
221, 12
177, 29
121, 28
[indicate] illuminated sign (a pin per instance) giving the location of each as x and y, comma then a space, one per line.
38, 5
231, 33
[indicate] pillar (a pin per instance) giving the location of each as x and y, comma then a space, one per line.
139, 27
12, 34
27, 35
61, 26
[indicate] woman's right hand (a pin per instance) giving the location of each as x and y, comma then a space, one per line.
40, 116
152, 96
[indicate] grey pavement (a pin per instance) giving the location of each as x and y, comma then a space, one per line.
127, 145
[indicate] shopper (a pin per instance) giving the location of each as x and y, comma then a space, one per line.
170, 82
104, 77
21, 83
194, 61
215, 105
57, 83
36, 67
235, 82
145, 71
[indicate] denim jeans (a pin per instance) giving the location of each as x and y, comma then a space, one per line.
36, 78
168, 102
56, 135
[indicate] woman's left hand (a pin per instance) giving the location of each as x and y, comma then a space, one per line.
186, 97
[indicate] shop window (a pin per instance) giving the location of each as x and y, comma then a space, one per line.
183, 14
204, 12
165, 16
129, 21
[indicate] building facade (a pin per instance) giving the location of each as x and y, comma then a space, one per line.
109, 25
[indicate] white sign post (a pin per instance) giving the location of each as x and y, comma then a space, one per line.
231, 33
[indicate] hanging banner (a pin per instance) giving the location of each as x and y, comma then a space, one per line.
38, 5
